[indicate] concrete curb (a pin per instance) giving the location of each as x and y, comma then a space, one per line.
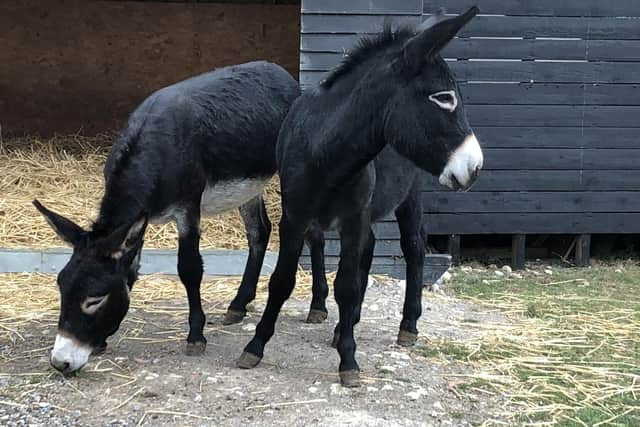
216, 262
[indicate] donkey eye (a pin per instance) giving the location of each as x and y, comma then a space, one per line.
447, 100
92, 304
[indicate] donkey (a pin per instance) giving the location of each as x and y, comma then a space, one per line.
397, 190
393, 90
202, 146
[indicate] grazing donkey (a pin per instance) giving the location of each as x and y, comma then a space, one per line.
393, 90
201, 146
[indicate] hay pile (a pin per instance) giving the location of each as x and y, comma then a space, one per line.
65, 173
30, 302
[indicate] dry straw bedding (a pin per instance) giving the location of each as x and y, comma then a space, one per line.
30, 300
65, 173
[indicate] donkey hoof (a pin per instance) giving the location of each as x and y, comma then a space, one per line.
232, 317
99, 350
350, 378
195, 348
316, 316
248, 360
406, 338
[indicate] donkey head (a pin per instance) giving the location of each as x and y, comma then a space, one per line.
425, 118
94, 286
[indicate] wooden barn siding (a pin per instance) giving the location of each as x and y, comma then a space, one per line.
69, 65
555, 104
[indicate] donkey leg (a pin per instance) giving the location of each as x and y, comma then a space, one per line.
281, 284
190, 272
348, 291
319, 287
363, 278
258, 227
409, 215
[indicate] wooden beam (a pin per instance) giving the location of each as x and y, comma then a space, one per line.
453, 248
518, 251
583, 250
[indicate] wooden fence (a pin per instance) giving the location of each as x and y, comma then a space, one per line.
552, 89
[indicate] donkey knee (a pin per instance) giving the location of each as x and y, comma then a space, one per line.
412, 248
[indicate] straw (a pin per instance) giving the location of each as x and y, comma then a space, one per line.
65, 173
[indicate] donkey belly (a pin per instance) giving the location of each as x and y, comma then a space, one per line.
226, 195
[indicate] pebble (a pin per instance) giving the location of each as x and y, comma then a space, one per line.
250, 327
417, 394
397, 355
466, 269
374, 307
498, 273
517, 275
372, 389
507, 269
313, 389
387, 387
413, 395
438, 405
388, 369
548, 271
198, 398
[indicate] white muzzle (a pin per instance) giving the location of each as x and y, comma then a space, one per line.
463, 166
68, 355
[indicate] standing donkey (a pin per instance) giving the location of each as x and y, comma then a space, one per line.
397, 190
393, 90
201, 146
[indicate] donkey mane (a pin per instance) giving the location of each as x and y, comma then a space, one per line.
366, 47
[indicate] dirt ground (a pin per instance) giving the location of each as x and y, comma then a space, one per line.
144, 378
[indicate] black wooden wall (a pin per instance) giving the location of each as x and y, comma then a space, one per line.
552, 89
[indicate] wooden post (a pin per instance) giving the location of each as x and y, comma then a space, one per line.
583, 250
454, 248
518, 244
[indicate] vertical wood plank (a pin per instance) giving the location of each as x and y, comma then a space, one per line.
453, 248
583, 250
518, 251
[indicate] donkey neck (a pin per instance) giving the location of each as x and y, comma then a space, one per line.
120, 205
353, 135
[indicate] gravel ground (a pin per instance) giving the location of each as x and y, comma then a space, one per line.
144, 378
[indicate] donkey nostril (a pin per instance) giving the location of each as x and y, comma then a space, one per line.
476, 172
66, 366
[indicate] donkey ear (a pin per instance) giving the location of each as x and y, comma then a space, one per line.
437, 34
66, 229
124, 239
436, 17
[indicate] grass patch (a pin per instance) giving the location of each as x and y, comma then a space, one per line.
450, 350
572, 357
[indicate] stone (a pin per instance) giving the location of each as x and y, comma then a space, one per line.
249, 327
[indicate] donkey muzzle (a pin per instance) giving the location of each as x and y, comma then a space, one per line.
68, 355
464, 165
